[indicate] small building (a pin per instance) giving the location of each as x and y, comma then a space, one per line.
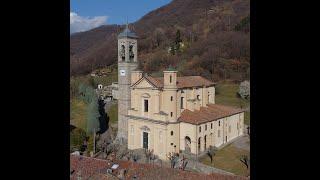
115, 93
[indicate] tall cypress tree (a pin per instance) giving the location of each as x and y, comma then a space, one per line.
82, 91
93, 115
178, 40
89, 94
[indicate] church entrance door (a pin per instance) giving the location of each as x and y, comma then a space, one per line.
145, 140
187, 144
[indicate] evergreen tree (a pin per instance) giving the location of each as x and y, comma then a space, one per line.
178, 40
92, 82
93, 115
172, 49
82, 90
89, 94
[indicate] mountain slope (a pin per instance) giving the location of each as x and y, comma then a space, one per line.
214, 39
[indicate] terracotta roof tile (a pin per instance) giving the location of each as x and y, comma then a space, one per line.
207, 114
92, 168
155, 81
188, 81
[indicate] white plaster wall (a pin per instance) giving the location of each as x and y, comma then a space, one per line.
189, 130
154, 142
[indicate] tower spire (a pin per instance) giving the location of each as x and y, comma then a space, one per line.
127, 26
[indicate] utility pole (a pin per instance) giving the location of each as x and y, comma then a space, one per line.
213, 61
94, 140
229, 27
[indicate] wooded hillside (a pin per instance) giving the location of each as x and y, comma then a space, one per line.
201, 37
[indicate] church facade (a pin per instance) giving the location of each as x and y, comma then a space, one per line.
170, 113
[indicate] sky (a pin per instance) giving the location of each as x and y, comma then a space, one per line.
89, 14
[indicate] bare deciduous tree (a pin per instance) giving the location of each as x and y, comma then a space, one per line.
245, 160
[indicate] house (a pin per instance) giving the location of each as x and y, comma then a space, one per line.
82, 167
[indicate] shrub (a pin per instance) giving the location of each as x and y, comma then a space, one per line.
244, 90
77, 137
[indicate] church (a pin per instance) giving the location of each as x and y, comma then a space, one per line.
170, 113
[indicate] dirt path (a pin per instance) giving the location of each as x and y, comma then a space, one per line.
242, 143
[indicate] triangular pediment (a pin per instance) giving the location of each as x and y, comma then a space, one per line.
143, 83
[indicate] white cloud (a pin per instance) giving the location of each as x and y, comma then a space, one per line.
79, 23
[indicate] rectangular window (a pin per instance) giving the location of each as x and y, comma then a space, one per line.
171, 98
218, 133
181, 103
146, 105
211, 125
219, 123
199, 128
171, 114
205, 127
170, 79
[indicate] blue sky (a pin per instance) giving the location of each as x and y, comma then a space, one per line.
88, 14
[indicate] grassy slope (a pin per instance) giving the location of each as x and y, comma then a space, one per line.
113, 114
78, 108
78, 113
226, 94
228, 159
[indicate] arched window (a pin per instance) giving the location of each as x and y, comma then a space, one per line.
171, 98
171, 133
122, 53
187, 144
131, 54
171, 114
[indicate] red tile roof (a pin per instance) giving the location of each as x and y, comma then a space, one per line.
207, 114
182, 82
154, 81
93, 168
188, 81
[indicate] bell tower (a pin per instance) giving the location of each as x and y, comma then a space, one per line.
127, 62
